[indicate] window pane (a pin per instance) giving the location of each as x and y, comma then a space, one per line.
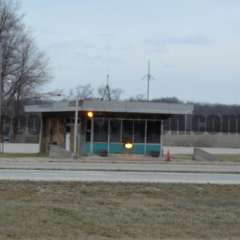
115, 131
127, 131
88, 131
139, 131
100, 130
153, 132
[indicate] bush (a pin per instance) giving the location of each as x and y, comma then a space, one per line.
103, 153
155, 154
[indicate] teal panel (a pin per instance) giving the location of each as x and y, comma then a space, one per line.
98, 147
116, 148
153, 148
138, 149
87, 148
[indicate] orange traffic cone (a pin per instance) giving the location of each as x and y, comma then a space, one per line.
168, 156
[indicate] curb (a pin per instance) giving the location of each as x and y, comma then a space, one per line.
121, 170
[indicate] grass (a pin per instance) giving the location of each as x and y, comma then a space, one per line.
182, 157
121, 211
232, 158
221, 157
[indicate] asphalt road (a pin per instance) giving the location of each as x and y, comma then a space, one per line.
187, 167
127, 177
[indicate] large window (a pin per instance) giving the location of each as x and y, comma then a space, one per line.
127, 131
139, 131
100, 130
115, 130
124, 131
153, 132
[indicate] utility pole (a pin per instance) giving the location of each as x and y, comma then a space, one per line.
149, 77
148, 80
76, 127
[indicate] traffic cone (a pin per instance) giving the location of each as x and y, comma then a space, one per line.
168, 157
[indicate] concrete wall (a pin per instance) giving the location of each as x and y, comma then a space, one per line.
21, 148
202, 140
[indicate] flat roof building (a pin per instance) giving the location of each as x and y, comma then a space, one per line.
113, 127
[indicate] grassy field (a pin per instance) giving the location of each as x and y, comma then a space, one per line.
104, 211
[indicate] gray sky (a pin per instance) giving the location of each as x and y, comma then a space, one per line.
194, 45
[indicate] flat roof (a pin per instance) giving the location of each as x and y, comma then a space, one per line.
113, 107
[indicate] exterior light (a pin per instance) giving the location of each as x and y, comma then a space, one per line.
90, 114
128, 146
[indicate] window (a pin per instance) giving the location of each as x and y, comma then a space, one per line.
139, 131
153, 132
34, 124
88, 131
100, 130
115, 126
127, 131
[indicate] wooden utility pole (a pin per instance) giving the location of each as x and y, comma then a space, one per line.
75, 149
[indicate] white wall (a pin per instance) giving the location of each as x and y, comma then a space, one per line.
21, 148
189, 150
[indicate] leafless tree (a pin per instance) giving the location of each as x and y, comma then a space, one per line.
138, 97
85, 91
24, 69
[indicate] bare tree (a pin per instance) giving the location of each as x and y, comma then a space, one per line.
138, 97
24, 69
84, 91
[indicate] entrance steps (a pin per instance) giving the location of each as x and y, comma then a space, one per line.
58, 152
201, 155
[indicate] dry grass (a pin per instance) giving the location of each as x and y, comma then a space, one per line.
230, 158
182, 157
121, 211
220, 157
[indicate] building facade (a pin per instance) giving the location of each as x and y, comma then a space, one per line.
111, 127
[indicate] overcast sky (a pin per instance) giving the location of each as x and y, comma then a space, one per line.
194, 45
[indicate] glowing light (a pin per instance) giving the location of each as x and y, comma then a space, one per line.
90, 114
129, 146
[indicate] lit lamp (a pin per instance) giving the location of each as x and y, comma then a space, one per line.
90, 114
128, 146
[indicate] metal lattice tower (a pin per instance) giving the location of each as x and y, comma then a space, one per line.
107, 90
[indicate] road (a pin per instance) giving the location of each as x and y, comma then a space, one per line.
112, 176
181, 167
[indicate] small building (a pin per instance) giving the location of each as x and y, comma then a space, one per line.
114, 127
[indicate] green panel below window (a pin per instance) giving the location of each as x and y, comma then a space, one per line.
117, 148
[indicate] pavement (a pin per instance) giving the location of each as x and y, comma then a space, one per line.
162, 167
105, 170
97, 169
120, 165
119, 177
